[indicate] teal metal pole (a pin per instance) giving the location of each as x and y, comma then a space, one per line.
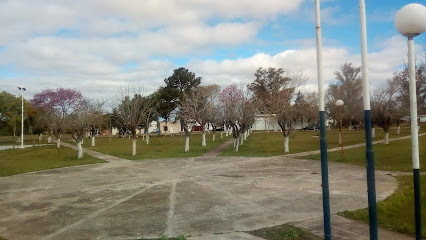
323, 139
369, 154
414, 137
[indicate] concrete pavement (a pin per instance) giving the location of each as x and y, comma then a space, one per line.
195, 196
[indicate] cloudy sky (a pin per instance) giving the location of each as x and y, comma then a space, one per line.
94, 46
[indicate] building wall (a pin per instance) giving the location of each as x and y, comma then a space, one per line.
267, 122
264, 122
172, 127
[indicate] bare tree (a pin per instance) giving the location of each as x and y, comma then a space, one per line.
306, 107
275, 92
247, 115
150, 104
96, 117
348, 88
231, 99
131, 109
402, 83
79, 122
238, 111
385, 107
198, 106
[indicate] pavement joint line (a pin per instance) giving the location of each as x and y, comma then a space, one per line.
100, 211
170, 214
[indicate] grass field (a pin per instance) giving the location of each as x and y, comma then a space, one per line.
271, 144
14, 161
397, 211
28, 140
396, 156
158, 147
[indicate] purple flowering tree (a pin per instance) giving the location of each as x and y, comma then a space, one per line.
58, 105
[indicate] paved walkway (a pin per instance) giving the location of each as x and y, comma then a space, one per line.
217, 151
103, 156
206, 197
302, 154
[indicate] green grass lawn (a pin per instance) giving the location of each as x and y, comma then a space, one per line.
28, 140
14, 161
158, 147
261, 144
396, 156
397, 211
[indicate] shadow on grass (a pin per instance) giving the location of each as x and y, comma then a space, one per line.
284, 232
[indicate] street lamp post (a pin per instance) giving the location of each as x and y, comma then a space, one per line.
410, 21
323, 139
339, 104
369, 152
22, 115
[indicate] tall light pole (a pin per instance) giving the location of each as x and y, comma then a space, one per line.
410, 21
369, 153
22, 115
323, 139
339, 104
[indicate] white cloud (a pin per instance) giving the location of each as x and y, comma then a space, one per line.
382, 64
25, 18
84, 44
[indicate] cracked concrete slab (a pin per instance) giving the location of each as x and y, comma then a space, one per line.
194, 196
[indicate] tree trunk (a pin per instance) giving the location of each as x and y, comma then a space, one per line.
386, 140
58, 143
373, 132
93, 141
214, 136
134, 147
204, 139
398, 130
340, 138
245, 135
147, 138
286, 140
80, 150
187, 144
221, 134
242, 139
236, 144
226, 130
40, 136
49, 139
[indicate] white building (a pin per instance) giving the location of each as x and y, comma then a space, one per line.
264, 122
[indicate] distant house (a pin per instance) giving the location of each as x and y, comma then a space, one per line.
264, 122
421, 118
170, 127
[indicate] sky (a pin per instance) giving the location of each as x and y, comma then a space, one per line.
97, 46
